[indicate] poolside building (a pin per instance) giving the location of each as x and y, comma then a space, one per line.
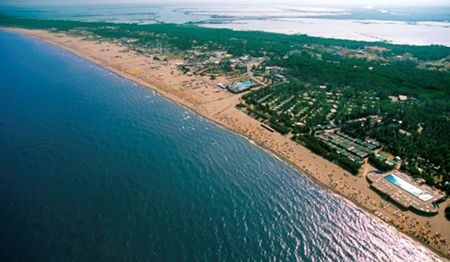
406, 193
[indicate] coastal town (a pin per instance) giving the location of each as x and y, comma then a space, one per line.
346, 138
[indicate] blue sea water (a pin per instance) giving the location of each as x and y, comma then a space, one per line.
96, 168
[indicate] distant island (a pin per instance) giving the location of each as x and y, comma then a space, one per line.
367, 107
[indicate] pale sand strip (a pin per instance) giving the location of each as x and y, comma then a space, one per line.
203, 96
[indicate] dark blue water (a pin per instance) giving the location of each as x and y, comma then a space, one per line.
96, 168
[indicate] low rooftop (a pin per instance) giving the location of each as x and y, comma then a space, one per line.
402, 189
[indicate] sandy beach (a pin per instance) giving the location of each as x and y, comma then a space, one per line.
203, 96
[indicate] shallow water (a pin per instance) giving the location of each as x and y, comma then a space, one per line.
400, 25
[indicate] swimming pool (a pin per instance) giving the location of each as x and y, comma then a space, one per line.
417, 192
242, 85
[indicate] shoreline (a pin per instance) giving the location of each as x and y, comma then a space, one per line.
218, 106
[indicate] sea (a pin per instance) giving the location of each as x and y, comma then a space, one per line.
94, 167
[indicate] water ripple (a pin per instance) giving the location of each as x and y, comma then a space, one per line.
107, 175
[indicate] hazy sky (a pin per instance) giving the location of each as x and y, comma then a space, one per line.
304, 2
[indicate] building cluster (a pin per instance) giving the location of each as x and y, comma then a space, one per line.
354, 149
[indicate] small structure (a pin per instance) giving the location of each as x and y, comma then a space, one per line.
280, 77
407, 194
222, 86
402, 97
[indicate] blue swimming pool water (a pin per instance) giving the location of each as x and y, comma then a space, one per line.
403, 184
243, 85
